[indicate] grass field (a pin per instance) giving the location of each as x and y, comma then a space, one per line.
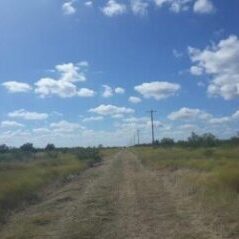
221, 165
22, 180
209, 178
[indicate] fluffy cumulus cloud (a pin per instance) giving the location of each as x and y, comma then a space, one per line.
202, 117
174, 5
93, 118
65, 85
199, 6
134, 99
84, 92
48, 86
158, 89
188, 114
68, 8
119, 90
195, 70
65, 127
203, 6
139, 7
11, 124
236, 115
109, 110
15, 87
27, 115
221, 120
114, 8
108, 91
221, 62
89, 3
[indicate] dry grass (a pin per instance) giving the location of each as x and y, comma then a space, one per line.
209, 177
220, 164
21, 181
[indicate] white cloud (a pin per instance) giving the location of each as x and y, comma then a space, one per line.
89, 3
158, 89
113, 8
41, 130
93, 118
117, 116
23, 114
15, 87
197, 114
68, 8
221, 120
108, 91
179, 5
174, 5
220, 61
84, 92
188, 127
236, 115
188, 114
65, 127
49, 86
196, 70
64, 86
119, 90
160, 3
134, 99
72, 72
111, 110
139, 7
11, 124
203, 6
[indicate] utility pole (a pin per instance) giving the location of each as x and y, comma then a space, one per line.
152, 123
138, 131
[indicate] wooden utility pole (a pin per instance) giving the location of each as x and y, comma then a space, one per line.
152, 123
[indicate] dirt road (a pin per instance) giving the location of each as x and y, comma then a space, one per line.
119, 199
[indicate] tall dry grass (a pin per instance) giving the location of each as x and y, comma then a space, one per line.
209, 177
22, 180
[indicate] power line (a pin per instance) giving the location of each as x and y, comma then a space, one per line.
152, 123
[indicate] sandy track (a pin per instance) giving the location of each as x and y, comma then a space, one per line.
118, 200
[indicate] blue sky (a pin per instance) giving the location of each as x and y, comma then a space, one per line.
86, 72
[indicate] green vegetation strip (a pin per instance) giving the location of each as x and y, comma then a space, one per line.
21, 180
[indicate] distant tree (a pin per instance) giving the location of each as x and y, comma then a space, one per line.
205, 140
100, 146
156, 142
50, 147
167, 142
194, 140
28, 147
234, 139
4, 148
209, 140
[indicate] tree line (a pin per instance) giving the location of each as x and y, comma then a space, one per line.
196, 140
